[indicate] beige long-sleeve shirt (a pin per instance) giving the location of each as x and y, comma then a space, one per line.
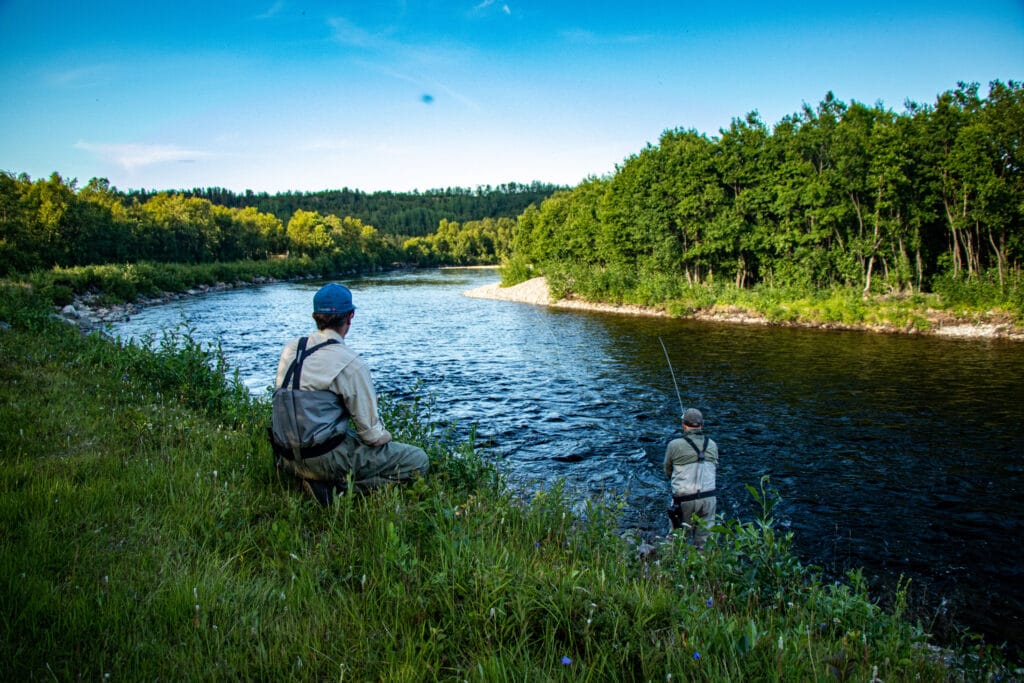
339, 369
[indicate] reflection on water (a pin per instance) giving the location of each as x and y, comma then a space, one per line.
899, 454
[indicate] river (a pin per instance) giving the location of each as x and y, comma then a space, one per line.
898, 454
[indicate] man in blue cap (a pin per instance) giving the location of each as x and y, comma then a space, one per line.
325, 424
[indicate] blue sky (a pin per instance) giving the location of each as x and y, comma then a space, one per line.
286, 95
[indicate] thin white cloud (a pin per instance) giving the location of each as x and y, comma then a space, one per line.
483, 6
426, 85
457, 96
272, 11
585, 37
347, 33
402, 61
133, 156
79, 77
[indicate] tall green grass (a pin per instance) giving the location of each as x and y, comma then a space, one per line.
146, 536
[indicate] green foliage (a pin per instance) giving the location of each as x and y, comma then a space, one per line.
344, 241
836, 306
983, 290
144, 519
472, 243
125, 283
395, 214
48, 223
595, 283
515, 270
838, 198
23, 306
179, 366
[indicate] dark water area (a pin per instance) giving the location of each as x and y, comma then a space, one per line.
898, 454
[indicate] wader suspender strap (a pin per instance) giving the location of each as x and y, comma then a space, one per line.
295, 370
293, 375
698, 451
700, 461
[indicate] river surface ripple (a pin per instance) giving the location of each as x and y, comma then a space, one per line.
899, 454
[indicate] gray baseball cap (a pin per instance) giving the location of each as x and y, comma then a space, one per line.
693, 418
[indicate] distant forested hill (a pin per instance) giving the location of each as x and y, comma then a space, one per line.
53, 222
406, 214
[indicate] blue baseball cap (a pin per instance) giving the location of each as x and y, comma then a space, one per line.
333, 298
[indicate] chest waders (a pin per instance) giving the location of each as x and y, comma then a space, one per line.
305, 423
675, 513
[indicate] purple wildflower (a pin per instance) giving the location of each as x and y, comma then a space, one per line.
566, 661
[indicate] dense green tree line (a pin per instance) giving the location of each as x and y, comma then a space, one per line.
836, 194
346, 239
405, 214
472, 242
46, 223
51, 222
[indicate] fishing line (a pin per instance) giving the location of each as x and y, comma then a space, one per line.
682, 411
673, 373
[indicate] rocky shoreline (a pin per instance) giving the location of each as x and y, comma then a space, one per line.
536, 291
89, 314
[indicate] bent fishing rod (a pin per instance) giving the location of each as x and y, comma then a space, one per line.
682, 413
673, 373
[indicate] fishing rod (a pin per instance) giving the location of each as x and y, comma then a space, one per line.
673, 373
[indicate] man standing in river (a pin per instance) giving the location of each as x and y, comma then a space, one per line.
325, 425
690, 462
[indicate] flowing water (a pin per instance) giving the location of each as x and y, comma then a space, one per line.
899, 454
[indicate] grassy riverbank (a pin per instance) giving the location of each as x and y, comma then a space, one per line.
979, 307
146, 536
124, 283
